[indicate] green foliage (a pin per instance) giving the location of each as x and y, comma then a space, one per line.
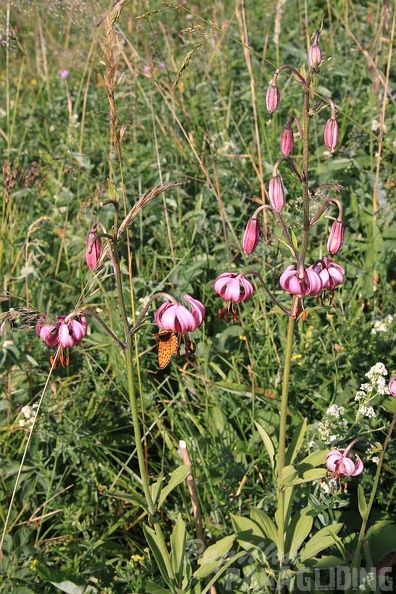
183, 94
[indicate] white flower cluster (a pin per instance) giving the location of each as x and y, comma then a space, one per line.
30, 413
377, 385
368, 582
332, 427
382, 325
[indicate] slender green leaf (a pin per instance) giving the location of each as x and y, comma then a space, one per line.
361, 502
298, 530
295, 444
320, 541
178, 548
213, 555
155, 488
265, 523
269, 446
176, 478
248, 532
161, 556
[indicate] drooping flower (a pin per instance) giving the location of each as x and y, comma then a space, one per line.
176, 322
61, 333
287, 141
330, 134
272, 98
251, 235
276, 193
336, 237
340, 463
177, 318
330, 273
392, 386
233, 288
93, 249
308, 283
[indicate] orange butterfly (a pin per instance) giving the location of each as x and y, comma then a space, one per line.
168, 345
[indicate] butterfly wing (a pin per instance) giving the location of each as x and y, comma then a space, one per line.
167, 346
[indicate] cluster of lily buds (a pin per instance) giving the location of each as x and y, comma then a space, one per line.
93, 248
62, 333
339, 462
177, 318
323, 275
233, 288
300, 283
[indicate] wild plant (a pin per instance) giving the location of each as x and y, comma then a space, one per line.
272, 549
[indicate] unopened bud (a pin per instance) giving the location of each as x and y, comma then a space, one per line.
273, 97
251, 235
287, 141
315, 55
336, 237
330, 134
276, 193
93, 249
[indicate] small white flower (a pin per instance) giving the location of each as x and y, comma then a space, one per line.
367, 411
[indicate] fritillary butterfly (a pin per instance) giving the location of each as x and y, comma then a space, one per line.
167, 346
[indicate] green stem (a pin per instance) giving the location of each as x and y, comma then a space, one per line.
305, 167
282, 442
129, 355
356, 558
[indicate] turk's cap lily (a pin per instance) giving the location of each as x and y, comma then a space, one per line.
63, 333
308, 284
340, 463
331, 274
175, 317
392, 386
287, 141
233, 287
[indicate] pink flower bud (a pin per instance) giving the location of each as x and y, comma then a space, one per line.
251, 235
93, 249
392, 386
336, 237
315, 55
287, 141
273, 97
330, 134
276, 193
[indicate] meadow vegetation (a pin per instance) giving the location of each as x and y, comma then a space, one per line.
164, 106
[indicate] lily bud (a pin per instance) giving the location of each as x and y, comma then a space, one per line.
287, 141
276, 193
336, 237
251, 235
93, 249
315, 55
330, 134
273, 98
392, 386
